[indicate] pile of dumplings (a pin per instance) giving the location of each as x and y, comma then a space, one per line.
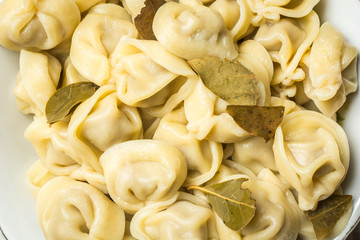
119, 165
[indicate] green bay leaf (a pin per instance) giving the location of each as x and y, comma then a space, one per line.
229, 80
327, 213
260, 121
144, 20
232, 203
66, 98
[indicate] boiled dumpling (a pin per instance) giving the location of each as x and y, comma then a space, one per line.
150, 77
37, 25
96, 38
58, 155
184, 216
140, 172
255, 154
331, 70
72, 210
273, 9
237, 16
287, 41
100, 122
52, 146
203, 157
37, 176
34, 88
312, 155
183, 28
276, 217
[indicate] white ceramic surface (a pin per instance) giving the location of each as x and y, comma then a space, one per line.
17, 206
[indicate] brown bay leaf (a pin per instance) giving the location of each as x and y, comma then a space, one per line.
143, 21
260, 121
229, 80
66, 98
327, 213
233, 204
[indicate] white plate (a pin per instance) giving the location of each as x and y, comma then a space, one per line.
17, 206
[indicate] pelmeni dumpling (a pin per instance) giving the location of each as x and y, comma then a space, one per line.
52, 146
37, 176
58, 155
95, 39
150, 77
184, 216
139, 172
332, 70
37, 25
183, 28
287, 41
109, 122
34, 88
273, 9
104, 120
100, 122
203, 157
312, 155
255, 154
276, 217
237, 16
72, 210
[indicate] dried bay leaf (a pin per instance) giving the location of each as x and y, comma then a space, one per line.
64, 99
260, 121
229, 80
328, 212
143, 21
233, 204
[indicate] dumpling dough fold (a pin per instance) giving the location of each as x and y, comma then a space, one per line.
312, 155
34, 87
100, 122
58, 155
96, 38
139, 172
203, 157
37, 25
331, 67
184, 216
183, 28
72, 210
273, 9
287, 41
150, 77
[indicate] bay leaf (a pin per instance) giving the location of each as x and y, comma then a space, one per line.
328, 212
233, 204
229, 80
66, 98
144, 20
260, 121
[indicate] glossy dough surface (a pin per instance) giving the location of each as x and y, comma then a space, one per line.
128, 161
